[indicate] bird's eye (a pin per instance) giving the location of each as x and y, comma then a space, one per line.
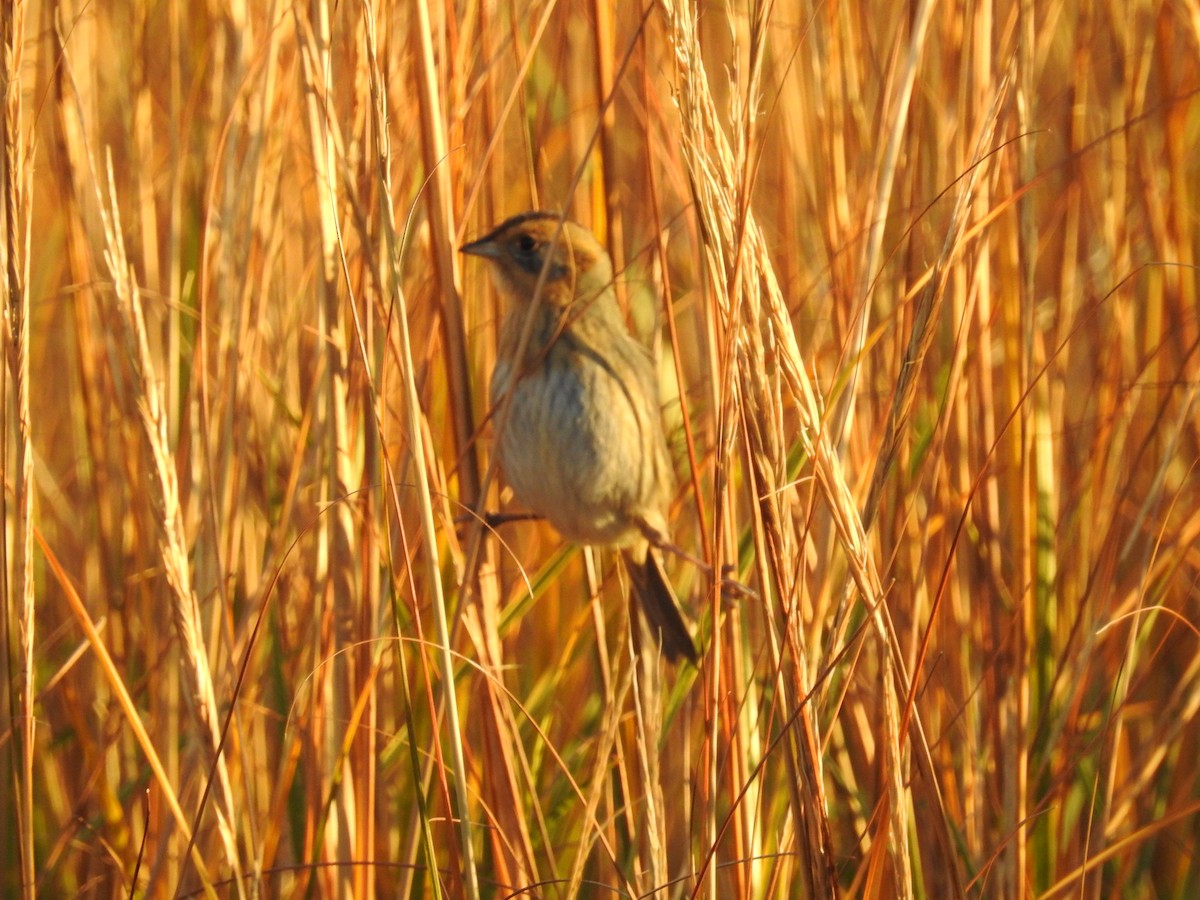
527, 243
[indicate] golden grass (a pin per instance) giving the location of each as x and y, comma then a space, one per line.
922, 283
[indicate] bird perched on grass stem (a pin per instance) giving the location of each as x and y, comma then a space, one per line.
582, 442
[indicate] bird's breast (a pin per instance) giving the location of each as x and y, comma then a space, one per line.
574, 444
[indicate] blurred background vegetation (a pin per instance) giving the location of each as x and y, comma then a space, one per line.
921, 280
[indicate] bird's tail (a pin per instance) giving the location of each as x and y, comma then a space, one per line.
659, 605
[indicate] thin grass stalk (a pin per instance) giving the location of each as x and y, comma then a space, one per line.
607, 743
337, 538
415, 435
711, 180
996, 301
511, 840
73, 162
1026, 97
492, 154
648, 730
173, 350
234, 204
441, 620
133, 717
926, 312
769, 435
361, 734
16, 572
173, 548
1135, 645
261, 221
716, 187
604, 178
438, 197
879, 201
1035, 437
420, 838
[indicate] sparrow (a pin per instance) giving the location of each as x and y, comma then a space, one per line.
582, 443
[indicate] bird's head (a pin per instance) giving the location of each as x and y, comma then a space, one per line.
577, 266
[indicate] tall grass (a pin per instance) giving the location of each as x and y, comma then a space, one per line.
921, 281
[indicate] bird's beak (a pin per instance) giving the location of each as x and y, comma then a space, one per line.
482, 247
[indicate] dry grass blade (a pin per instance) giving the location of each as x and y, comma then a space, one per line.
902, 83
16, 570
743, 277
428, 529
173, 545
133, 717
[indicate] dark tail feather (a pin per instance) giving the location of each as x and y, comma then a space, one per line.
659, 606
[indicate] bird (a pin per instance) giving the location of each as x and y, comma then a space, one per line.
582, 443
